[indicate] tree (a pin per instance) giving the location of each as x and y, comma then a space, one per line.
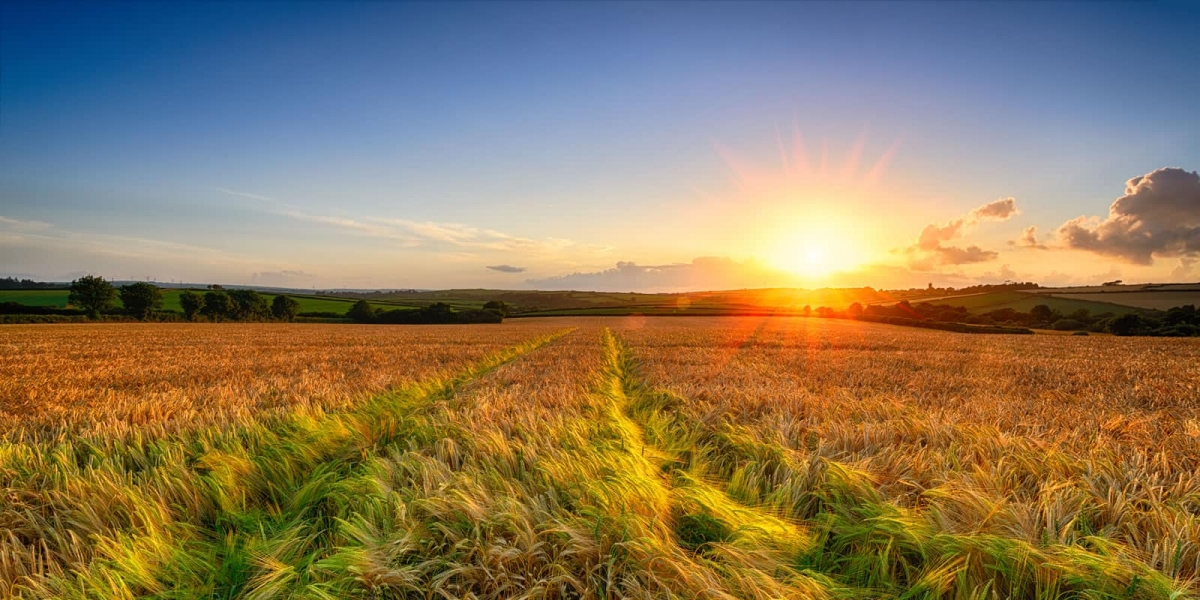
497, 306
1042, 313
93, 294
856, 309
192, 303
217, 306
361, 312
1127, 324
284, 308
141, 299
438, 312
249, 305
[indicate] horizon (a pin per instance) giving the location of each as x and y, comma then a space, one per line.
652, 147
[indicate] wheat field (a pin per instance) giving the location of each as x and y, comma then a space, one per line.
596, 458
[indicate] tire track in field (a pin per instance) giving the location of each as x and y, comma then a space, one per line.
265, 487
708, 520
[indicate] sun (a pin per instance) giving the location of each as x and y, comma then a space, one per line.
815, 251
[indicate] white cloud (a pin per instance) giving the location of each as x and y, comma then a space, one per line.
1159, 216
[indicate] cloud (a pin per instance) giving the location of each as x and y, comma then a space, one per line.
1159, 216
507, 268
1005, 273
244, 194
1184, 268
703, 273
20, 225
283, 278
998, 210
930, 252
1028, 239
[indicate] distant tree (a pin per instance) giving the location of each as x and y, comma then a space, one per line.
141, 299
1067, 325
855, 309
192, 303
497, 306
1183, 315
438, 312
93, 294
361, 312
806, 311
1082, 314
284, 308
217, 306
249, 305
1042, 313
1127, 324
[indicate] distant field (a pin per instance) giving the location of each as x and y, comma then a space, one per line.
1160, 300
1023, 301
624, 457
171, 300
35, 297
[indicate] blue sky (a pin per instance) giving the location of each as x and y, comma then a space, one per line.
414, 145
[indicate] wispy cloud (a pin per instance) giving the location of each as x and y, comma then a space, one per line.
20, 225
506, 268
244, 194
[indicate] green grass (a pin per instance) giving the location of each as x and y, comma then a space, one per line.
35, 297
1023, 302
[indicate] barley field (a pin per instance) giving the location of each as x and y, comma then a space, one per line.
623, 457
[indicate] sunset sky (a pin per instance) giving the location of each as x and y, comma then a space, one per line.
620, 146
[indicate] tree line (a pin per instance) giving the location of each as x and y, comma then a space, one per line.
95, 297
1181, 321
436, 313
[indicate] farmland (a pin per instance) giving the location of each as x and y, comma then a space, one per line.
58, 298
708, 457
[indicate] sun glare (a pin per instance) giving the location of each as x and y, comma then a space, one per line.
815, 252
805, 217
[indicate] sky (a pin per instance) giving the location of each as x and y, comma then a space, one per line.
610, 146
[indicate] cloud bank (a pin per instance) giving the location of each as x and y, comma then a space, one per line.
1159, 216
703, 273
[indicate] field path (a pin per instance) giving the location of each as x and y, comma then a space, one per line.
723, 533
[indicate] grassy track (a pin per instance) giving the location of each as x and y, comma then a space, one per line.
861, 544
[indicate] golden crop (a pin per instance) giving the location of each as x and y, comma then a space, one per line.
113, 378
598, 458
